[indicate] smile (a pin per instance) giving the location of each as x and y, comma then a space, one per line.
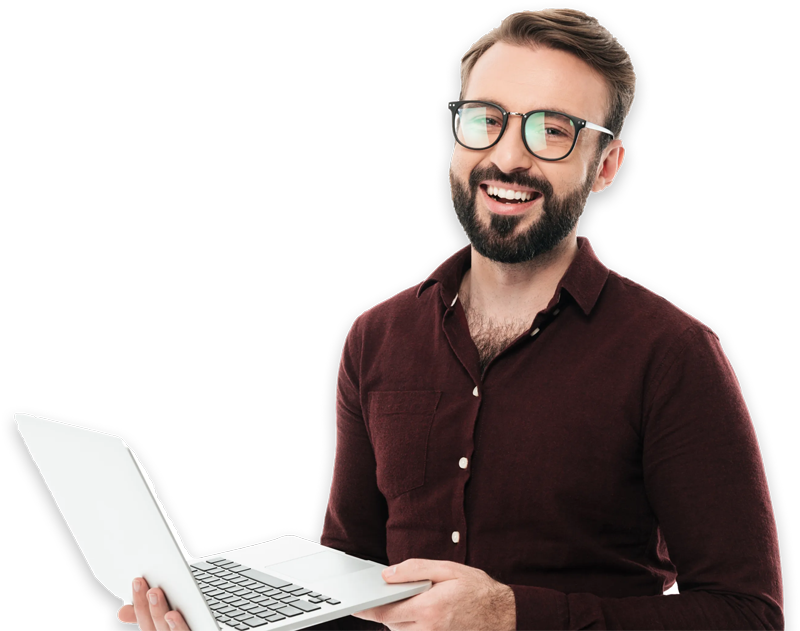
510, 195
508, 201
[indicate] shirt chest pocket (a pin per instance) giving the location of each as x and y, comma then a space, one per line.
400, 423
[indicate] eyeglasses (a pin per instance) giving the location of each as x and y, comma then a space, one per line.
547, 135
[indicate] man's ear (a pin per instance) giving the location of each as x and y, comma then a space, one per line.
610, 163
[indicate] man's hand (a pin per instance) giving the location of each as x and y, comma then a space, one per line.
461, 597
150, 610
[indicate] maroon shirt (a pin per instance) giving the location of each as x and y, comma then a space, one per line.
605, 453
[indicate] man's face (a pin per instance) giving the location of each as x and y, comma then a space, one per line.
523, 79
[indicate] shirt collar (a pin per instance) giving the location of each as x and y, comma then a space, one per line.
584, 279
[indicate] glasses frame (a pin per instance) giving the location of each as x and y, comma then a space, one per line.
579, 123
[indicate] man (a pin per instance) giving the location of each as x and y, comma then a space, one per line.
549, 443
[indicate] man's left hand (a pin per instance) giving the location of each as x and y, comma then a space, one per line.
461, 597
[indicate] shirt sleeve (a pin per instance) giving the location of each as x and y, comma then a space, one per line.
706, 483
355, 520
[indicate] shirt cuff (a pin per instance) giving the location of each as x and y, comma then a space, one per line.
540, 608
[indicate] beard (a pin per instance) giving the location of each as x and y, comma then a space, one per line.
498, 242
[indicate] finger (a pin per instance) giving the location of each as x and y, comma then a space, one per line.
140, 605
367, 614
176, 621
422, 569
408, 610
127, 614
158, 608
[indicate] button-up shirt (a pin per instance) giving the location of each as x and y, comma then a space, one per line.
605, 453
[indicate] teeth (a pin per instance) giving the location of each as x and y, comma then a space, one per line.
508, 193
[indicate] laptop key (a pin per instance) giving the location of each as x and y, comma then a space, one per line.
331, 601
202, 565
291, 588
274, 617
236, 567
226, 564
254, 622
240, 616
264, 578
290, 611
305, 606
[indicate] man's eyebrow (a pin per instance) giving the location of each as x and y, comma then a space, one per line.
507, 109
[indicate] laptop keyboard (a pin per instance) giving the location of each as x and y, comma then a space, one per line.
244, 598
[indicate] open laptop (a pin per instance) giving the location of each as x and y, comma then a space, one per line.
104, 495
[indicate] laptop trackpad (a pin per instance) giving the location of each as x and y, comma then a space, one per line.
319, 566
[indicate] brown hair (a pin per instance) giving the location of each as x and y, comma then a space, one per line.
573, 32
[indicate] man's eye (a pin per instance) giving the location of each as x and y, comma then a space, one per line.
483, 120
554, 131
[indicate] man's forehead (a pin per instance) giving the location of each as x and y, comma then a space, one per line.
525, 78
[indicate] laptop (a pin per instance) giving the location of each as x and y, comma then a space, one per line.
113, 513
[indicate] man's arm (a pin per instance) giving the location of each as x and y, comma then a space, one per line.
355, 521
705, 481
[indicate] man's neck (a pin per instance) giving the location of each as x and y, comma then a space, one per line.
503, 292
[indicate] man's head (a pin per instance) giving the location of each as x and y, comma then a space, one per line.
558, 60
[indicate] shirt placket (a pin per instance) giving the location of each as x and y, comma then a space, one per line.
456, 330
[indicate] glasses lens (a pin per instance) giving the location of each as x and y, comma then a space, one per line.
477, 125
549, 135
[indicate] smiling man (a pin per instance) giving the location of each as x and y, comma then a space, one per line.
551, 444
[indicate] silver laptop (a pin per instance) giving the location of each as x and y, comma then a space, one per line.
107, 501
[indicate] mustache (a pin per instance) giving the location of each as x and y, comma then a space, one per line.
519, 179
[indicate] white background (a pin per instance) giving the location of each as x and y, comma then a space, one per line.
166, 191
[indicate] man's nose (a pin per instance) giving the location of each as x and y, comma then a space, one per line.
510, 153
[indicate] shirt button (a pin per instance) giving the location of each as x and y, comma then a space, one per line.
455, 536
463, 463
475, 392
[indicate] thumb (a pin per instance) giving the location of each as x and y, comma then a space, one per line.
127, 614
420, 570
